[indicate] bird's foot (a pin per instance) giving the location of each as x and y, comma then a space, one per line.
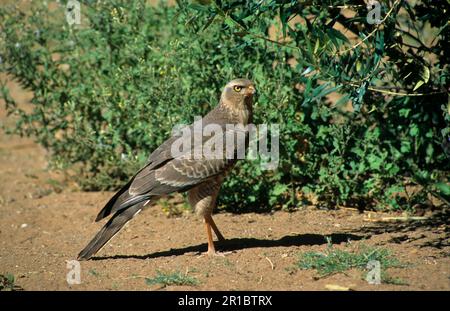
213, 253
217, 254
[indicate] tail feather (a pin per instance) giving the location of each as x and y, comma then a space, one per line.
109, 230
117, 199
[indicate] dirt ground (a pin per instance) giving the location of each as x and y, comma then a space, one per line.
43, 225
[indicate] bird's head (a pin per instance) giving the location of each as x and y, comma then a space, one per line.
238, 94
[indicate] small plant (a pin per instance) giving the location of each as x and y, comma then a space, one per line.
173, 209
174, 278
388, 279
56, 185
7, 283
337, 261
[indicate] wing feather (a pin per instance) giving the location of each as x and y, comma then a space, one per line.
165, 174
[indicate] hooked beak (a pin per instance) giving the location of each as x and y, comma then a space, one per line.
251, 90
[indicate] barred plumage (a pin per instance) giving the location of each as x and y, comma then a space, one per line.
165, 173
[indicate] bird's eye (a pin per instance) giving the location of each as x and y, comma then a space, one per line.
237, 88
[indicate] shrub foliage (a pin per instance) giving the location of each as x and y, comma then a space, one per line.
363, 108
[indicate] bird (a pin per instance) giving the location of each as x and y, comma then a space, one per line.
167, 172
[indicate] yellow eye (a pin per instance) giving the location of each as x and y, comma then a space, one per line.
237, 88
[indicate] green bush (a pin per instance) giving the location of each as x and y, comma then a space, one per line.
109, 91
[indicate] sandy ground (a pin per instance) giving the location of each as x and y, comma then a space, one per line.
44, 224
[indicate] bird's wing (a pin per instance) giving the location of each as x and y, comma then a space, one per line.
185, 171
161, 154
165, 173
177, 175
159, 157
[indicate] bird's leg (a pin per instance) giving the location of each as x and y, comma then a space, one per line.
213, 225
209, 223
211, 248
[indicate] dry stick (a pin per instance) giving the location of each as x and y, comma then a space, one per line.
373, 89
400, 218
271, 264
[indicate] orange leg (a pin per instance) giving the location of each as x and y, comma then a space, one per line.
209, 223
211, 248
210, 220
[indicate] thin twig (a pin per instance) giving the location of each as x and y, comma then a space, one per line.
400, 218
404, 93
372, 32
349, 6
256, 36
423, 46
271, 264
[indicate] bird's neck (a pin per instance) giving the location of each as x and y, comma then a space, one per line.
241, 113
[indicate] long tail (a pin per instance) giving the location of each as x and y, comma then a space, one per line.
121, 200
115, 201
109, 230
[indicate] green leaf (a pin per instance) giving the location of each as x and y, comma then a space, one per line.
334, 33
425, 74
279, 189
343, 100
316, 46
443, 187
418, 84
425, 77
414, 130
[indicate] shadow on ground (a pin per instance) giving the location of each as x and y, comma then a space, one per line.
244, 243
438, 223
